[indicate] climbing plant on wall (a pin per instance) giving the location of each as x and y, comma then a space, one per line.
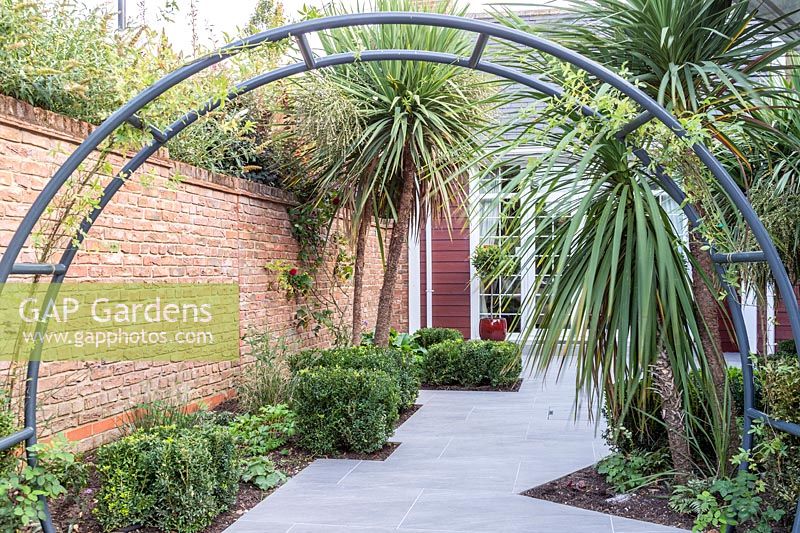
318, 281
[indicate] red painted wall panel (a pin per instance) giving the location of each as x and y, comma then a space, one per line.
450, 283
783, 330
726, 334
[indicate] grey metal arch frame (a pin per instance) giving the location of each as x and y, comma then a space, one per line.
651, 110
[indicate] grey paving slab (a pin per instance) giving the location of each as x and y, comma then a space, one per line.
244, 526
326, 471
334, 504
464, 458
496, 474
325, 528
491, 512
419, 448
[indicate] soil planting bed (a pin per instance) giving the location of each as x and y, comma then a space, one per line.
588, 490
78, 512
290, 460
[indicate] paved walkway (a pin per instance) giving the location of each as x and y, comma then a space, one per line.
463, 460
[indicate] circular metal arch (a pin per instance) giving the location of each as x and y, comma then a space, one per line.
650, 110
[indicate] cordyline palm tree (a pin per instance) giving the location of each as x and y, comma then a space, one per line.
774, 184
613, 291
419, 125
701, 59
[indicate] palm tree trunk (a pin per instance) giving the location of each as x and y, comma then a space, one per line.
358, 270
707, 307
673, 415
708, 310
399, 237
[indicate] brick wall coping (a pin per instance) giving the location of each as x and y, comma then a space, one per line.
26, 117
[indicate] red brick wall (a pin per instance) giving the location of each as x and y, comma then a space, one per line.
209, 228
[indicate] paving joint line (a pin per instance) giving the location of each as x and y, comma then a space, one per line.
516, 478
349, 471
410, 508
445, 448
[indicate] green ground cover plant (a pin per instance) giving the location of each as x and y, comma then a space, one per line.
59, 472
259, 434
261, 472
630, 471
264, 431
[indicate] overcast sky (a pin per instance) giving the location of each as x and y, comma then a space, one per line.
217, 17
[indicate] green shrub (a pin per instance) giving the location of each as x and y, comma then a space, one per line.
630, 471
777, 453
787, 347
185, 485
224, 462
395, 362
155, 414
170, 478
736, 387
71, 60
442, 365
57, 473
472, 363
776, 459
266, 381
427, 337
640, 430
781, 388
8, 425
263, 432
345, 408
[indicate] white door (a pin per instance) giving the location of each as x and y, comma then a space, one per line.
497, 220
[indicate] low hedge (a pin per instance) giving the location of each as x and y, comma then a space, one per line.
341, 408
427, 337
472, 363
397, 363
168, 478
780, 382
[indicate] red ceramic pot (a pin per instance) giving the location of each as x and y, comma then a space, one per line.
493, 329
